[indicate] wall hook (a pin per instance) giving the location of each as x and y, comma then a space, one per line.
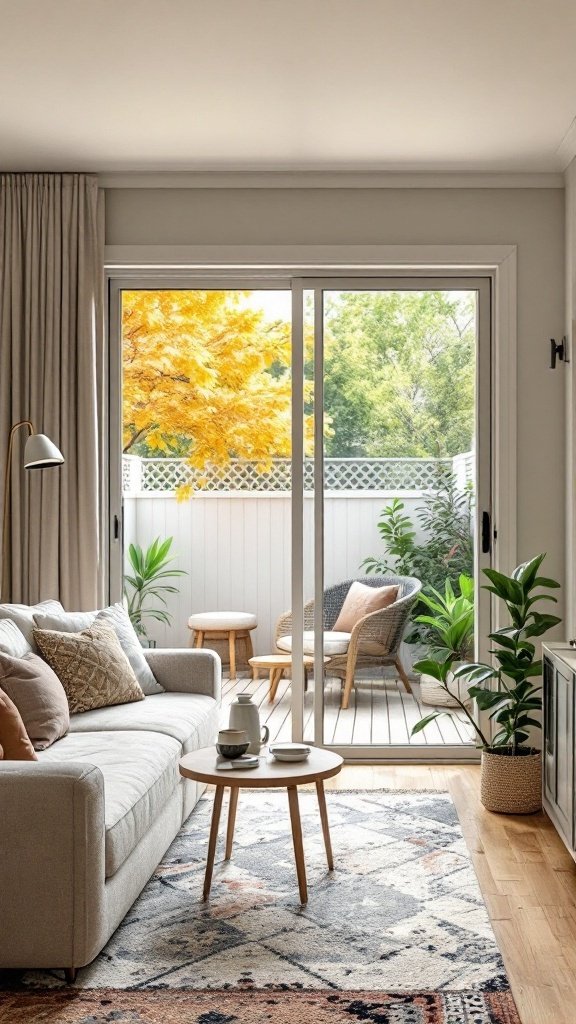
558, 351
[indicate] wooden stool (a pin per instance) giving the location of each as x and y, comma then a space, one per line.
278, 663
230, 626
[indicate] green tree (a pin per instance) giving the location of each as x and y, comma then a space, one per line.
399, 373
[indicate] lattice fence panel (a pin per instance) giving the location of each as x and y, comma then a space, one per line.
161, 475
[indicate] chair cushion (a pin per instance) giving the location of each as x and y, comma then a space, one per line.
222, 620
140, 771
334, 642
362, 600
189, 718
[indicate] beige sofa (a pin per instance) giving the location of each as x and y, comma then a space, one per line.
82, 829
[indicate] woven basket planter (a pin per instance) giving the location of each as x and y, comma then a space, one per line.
432, 693
511, 784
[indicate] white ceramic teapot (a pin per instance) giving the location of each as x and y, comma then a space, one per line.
244, 715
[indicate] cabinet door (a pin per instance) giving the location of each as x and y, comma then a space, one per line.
559, 747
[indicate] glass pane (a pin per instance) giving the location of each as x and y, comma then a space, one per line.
399, 401
207, 397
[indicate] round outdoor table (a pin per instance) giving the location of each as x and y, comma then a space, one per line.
321, 764
278, 664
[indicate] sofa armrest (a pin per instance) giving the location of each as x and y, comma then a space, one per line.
51, 863
180, 669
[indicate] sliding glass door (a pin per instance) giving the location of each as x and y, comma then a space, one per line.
395, 496
312, 449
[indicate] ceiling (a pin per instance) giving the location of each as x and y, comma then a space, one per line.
287, 85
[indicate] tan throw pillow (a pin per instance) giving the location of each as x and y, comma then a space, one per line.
39, 696
13, 736
91, 666
360, 601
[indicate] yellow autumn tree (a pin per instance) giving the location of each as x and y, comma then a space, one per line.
206, 376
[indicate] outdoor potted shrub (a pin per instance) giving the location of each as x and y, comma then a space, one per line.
150, 571
449, 635
511, 770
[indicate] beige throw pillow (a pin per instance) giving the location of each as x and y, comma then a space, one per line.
360, 601
91, 666
39, 696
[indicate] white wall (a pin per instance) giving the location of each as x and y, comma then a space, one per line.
236, 549
533, 219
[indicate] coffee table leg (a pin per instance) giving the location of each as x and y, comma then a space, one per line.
297, 839
213, 840
325, 826
231, 820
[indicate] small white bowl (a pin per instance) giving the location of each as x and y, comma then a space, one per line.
289, 751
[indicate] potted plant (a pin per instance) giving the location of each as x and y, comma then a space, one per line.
150, 569
448, 632
511, 769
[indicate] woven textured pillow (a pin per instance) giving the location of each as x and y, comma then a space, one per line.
115, 616
360, 601
39, 696
91, 666
14, 739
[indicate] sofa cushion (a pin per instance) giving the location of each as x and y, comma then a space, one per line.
39, 696
12, 640
334, 642
190, 718
115, 616
23, 616
140, 771
91, 666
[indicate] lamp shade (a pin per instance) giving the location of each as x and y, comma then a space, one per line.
40, 453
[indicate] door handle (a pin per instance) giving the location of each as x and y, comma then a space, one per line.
486, 538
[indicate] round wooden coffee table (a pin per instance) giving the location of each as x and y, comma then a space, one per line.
322, 764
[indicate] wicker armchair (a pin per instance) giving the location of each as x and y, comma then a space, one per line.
375, 639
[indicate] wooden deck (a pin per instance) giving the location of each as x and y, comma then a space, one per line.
380, 712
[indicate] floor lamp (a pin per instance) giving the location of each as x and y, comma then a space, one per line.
40, 453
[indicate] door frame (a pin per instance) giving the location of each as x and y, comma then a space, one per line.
230, 266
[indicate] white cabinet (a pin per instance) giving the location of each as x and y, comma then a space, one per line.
559, 680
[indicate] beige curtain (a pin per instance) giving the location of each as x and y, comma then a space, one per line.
51, 372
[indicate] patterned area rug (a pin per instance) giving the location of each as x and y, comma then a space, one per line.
397, 934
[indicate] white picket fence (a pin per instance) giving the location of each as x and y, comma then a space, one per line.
235, 544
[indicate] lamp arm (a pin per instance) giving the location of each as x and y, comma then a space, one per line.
21, 423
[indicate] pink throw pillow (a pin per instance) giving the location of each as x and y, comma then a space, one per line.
360, 601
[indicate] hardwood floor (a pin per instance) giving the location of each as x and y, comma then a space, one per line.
380, 711
527, 878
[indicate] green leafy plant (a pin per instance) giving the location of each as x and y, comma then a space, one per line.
449, 625
506, 689
447, 552
150, 569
